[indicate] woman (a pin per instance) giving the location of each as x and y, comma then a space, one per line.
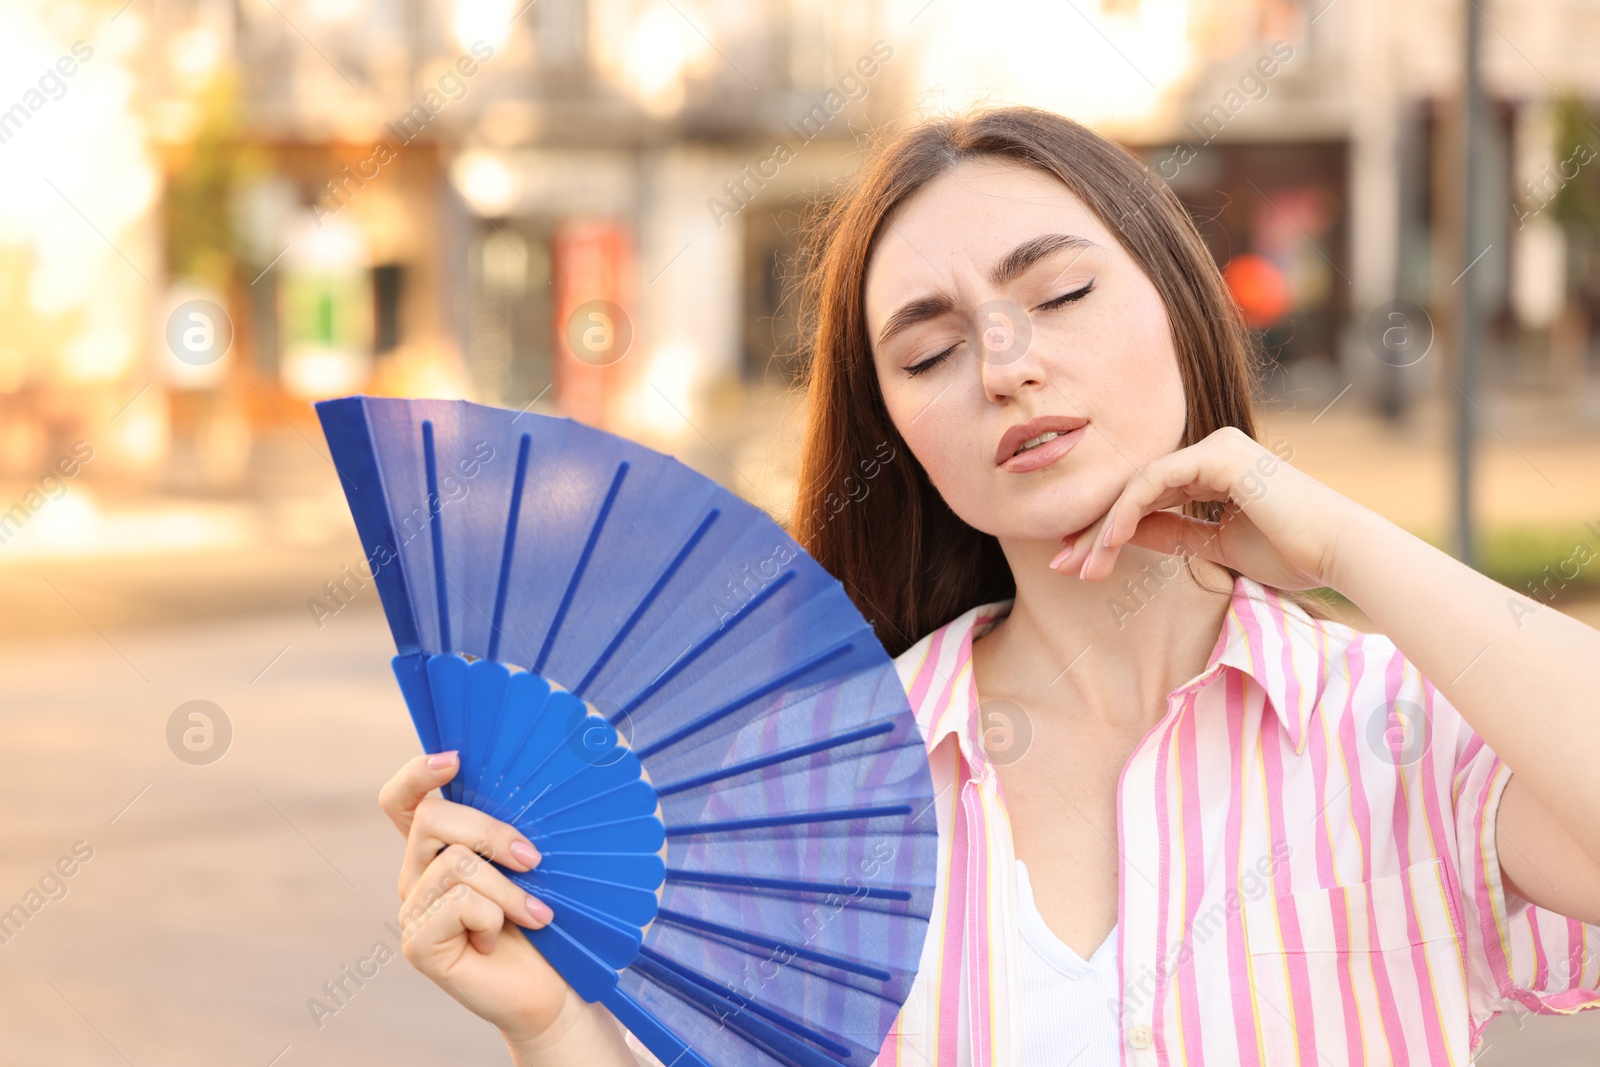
1184, 817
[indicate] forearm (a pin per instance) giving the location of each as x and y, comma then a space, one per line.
1525, 676
591, 1036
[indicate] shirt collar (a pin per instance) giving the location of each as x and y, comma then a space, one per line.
1264, 637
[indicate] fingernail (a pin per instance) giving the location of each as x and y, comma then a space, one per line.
524, 853
442, 760
540, 910
1085, 565
1061, 557
1105, 541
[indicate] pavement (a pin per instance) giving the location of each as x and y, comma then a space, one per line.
217, 898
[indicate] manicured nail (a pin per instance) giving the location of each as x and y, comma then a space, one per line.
1061, 557
524, 853
1105, 541
442, 760
540, 910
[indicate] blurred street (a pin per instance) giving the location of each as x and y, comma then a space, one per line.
219, 898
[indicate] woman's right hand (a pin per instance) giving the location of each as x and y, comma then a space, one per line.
456, 906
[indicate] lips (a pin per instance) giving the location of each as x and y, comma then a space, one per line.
1014, 438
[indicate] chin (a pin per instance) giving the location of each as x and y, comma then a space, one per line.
1047, 512
1064, 509
1032, 525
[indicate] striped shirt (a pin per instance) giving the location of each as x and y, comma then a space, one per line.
1307, 869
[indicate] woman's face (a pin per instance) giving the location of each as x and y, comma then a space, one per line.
995, 298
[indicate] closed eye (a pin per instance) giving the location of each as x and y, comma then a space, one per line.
932, 361
1049, 305
1067, 298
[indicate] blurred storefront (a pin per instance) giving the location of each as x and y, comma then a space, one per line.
230, 209
1318, 147
535, 206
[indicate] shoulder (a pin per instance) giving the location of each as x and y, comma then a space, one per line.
931, 668
1366, 685
1367, 660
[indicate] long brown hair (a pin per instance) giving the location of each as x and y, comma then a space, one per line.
866, 509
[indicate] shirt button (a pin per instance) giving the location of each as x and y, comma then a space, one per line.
1139, 1035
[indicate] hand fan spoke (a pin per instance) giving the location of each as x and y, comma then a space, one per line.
583, 563
626, 801
614, 941
550, 737
637, 906
782, 979
487, 685
782, 681
696, 1023
745, 1014
797, 819
527, 696
624, 835
436, 525
502, 585
839, 963
699, 648
631, 868
776, 758
645, 602
738, 883
666, 1044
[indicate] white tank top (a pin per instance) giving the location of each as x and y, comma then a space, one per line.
1062, 998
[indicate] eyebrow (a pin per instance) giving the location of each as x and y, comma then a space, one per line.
1012, 264
1032, 251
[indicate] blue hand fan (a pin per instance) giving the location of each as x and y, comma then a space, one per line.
682, 711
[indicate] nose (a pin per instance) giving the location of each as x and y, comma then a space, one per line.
1003, 339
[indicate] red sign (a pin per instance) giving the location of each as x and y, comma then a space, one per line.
595, 346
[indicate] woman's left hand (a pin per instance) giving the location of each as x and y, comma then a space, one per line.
1279, 527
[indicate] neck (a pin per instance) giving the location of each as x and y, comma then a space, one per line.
1109, 651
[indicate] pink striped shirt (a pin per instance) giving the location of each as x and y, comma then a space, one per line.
1304, 877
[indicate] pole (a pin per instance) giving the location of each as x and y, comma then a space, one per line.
1474, 236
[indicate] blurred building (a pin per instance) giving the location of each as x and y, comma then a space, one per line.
1319, 145
231, 207
572, 202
